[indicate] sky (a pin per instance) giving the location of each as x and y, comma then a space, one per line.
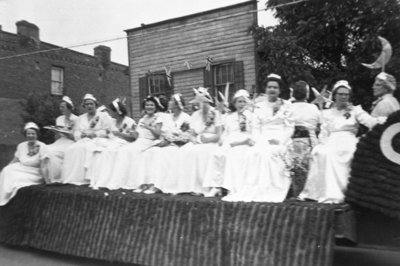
68, 23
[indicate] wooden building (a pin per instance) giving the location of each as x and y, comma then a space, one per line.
218, 38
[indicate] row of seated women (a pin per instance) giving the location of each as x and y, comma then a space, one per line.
248, 152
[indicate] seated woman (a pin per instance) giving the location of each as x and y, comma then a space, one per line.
159, 159
90, 135
128, 157
26, 167
234, 143
330, 166
122, 133
307, 119
264, 173
187, 173
66, 122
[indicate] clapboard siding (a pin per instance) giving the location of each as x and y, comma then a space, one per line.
222, 34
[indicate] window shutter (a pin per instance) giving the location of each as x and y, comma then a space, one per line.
238, 75
142, 90
208, 79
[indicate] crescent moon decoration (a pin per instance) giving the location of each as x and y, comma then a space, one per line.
384, 57
386, 143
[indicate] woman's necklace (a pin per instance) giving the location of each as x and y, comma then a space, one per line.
68, 123
33, 148
242, 121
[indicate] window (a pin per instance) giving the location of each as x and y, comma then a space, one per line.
228, 71
157, 84
223, 73
57, 80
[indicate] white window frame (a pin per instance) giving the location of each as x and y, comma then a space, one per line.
57, 80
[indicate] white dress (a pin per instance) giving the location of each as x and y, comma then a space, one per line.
102, 165
129, 156
385, 105
307, 115
23, 173
157, 161
226, 156
190, 162
264, 172
78, 157
330, 166
58, 148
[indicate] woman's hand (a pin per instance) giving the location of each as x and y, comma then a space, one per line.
146, 126
89, 135
273, 142
250, 142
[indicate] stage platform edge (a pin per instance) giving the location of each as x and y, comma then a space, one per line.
170, 230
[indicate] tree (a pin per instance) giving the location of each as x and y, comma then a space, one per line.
326, 40
43, 110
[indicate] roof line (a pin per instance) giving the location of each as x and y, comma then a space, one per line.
146, 26
56, 47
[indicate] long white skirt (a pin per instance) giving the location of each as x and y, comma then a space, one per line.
158, 167
330, 168
225, 161
126, 164
100, 171
78, 159
15, 176
261, 176
56, 160
189, 169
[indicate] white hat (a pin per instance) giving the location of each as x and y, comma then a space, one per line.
202, 95
388, 79
31, 125
178, 98
341, 83
67, 100
275, 76
89, 96
101, 108
241, 93
116, 106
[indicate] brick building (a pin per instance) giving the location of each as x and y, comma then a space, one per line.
56, 72
183, 45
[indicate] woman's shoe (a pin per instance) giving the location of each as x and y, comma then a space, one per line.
141, 188
152, 190
214, 192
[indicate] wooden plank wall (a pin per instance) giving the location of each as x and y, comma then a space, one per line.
222, 35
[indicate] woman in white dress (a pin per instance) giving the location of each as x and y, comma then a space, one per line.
129, 157
307, 120
264, 172
26, 167
90, 133
158, 160
330, 166
66, 122
234, 143
305, 114
122, 133
189, 165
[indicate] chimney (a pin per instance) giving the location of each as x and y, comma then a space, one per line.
103, 54
27, 29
